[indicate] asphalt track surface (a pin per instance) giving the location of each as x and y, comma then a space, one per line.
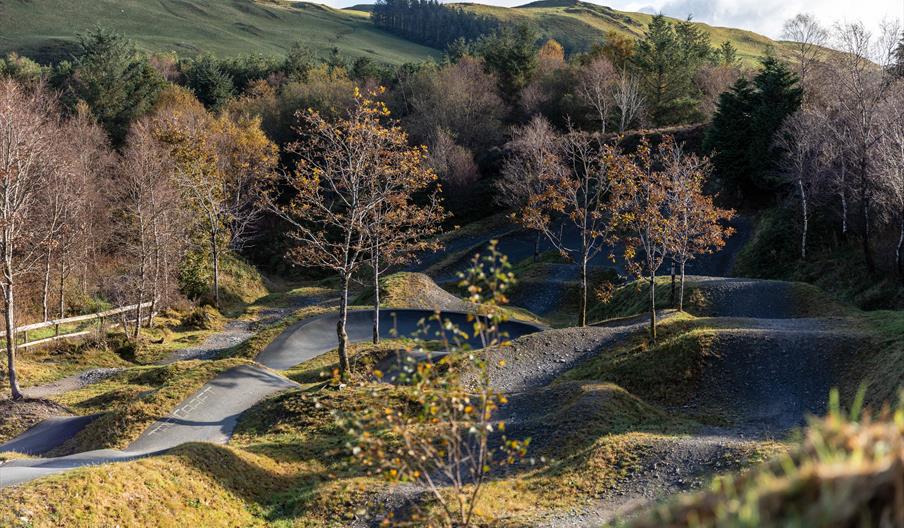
211, 414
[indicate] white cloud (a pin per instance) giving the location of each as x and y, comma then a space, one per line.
768, 16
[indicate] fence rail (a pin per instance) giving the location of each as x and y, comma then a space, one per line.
99, 316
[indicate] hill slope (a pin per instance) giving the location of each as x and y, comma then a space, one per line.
578, 25
48, 29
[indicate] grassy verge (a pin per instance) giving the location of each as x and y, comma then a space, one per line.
833, 265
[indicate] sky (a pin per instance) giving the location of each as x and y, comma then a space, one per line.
762, 16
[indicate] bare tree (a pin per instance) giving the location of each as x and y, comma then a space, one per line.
596, 86
533, 157
148, 205
808, 42
891, 153
573, 188
89, 158
803, 163
453, 163
860, 95
713, 80
627, 100
29, 143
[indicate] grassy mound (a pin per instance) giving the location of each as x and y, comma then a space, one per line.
675, 362
48, 29
843, 473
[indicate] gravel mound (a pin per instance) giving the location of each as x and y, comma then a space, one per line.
535, 360
16, 417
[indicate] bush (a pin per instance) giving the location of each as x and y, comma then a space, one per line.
201, 318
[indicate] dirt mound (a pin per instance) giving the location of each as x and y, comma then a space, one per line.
16, 417
775, 377
535, 360
769, 299
414, 290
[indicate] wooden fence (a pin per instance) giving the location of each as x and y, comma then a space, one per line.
99, 316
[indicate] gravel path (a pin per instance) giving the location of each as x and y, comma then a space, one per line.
770, 369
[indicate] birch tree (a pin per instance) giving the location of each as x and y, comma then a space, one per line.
627, 100
406, 212
533, 157
148, 207
808, 42
29, 143
892, 160
800, 141
220, 167
596, 85
859, 96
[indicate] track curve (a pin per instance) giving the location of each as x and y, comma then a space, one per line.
211, 414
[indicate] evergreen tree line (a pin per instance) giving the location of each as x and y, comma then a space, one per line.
429, 22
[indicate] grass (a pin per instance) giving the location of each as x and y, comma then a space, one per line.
48, 29
844, 472
633, 299
579, 25
834, 266
675, 362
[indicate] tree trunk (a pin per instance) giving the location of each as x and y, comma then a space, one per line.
867, 231
62, 294
844, 205
375, 256
653, 307
672, 293
899, 251
45, 297
11, 336
344, 366
805, 217
681, 290
537, 247
582, 315
215, 253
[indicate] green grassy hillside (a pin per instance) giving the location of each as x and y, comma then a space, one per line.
48, 29
578, 25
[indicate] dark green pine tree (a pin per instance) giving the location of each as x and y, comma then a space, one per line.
666, 59
117, 82
511, 54
211, 85
743, 129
